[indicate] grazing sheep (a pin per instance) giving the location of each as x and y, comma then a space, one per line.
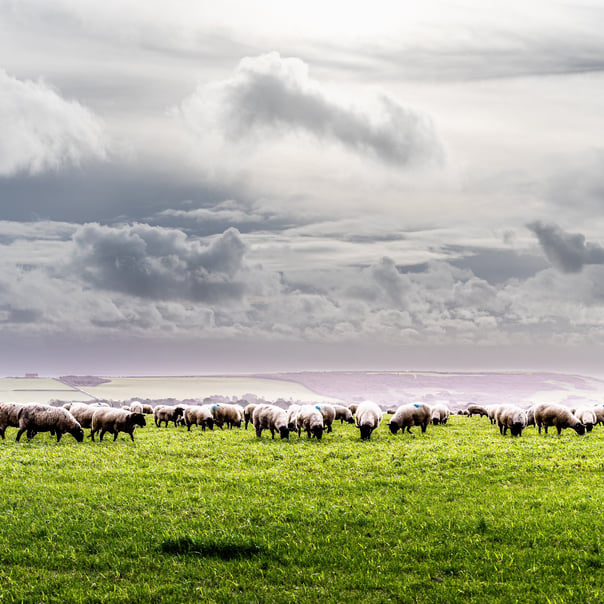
344, 414
353, 408
272, 418
248, 412
165, 413
512, 417
44, 418
491, 411
553, 414
477, 410
310, 419
530, 416
83, 412
599, 413
225, 413
367, 418
440, 414
292, 418
199, 416
329, 414
9, 416
136, 407
587, 417
409, 415
147, 409
115, 421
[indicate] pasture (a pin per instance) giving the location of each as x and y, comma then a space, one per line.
40, 390
459, 514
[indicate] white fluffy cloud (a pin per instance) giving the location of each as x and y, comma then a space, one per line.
43, 131
271, 94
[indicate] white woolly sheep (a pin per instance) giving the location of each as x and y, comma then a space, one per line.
587, 417
553, 414
439, 414
248, 413
491, 411
147, 409
474, 409
409, 415
272, 418
44, 418
83, 412
368, 418
199, 416
292, 418
512, 417
310, 419
329, 414
136, 407
599, 413
9, 416
166, 413
353, 408
225, 413
115, 421
344, 414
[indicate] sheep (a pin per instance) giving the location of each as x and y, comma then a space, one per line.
292, 418
165, 413
477, 410
310, 419
115, 421
491, 411
272, 418
199, 416
44, 418
136, 407
530, 415
599, 413
9, 416
439, 414
225, 413
329, 414
353, 408
553, 414
147, 409
248, 412
411, 414
368, 418
512, 417
587, 417
344, 414
83, 412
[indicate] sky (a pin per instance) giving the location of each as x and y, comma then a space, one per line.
194, 187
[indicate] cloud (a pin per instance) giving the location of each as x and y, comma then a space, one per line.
568, 252
42, 131
158, 263
271, 93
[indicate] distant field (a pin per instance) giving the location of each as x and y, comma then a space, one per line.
201, 387
457, 515
38, 390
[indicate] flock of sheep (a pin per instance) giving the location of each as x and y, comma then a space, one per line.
314, 419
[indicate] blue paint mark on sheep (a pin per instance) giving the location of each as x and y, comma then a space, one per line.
416, 405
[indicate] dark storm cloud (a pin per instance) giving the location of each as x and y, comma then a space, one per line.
274, 93
568, 252
157, 263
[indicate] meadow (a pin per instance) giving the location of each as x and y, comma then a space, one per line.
459, 514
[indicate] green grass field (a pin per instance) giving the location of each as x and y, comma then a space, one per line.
459, 514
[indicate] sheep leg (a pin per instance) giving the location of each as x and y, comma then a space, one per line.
2, 430
329, 428
102, 434
423, 428
258, 432
20, 433
273, 433
59, 434
115, 436
559, 428
131, 436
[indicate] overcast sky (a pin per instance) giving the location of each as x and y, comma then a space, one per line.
192, 186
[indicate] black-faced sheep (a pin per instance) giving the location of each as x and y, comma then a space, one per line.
439, 413
44, 418
248, 413
310, 419
225, 413
292, 418
115, 421
166, 413
199, 416
344, 414
477, 410
9, 416
368, 418
512, 417
329, 414
272, 418
553, 414
409, 415
587, 417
